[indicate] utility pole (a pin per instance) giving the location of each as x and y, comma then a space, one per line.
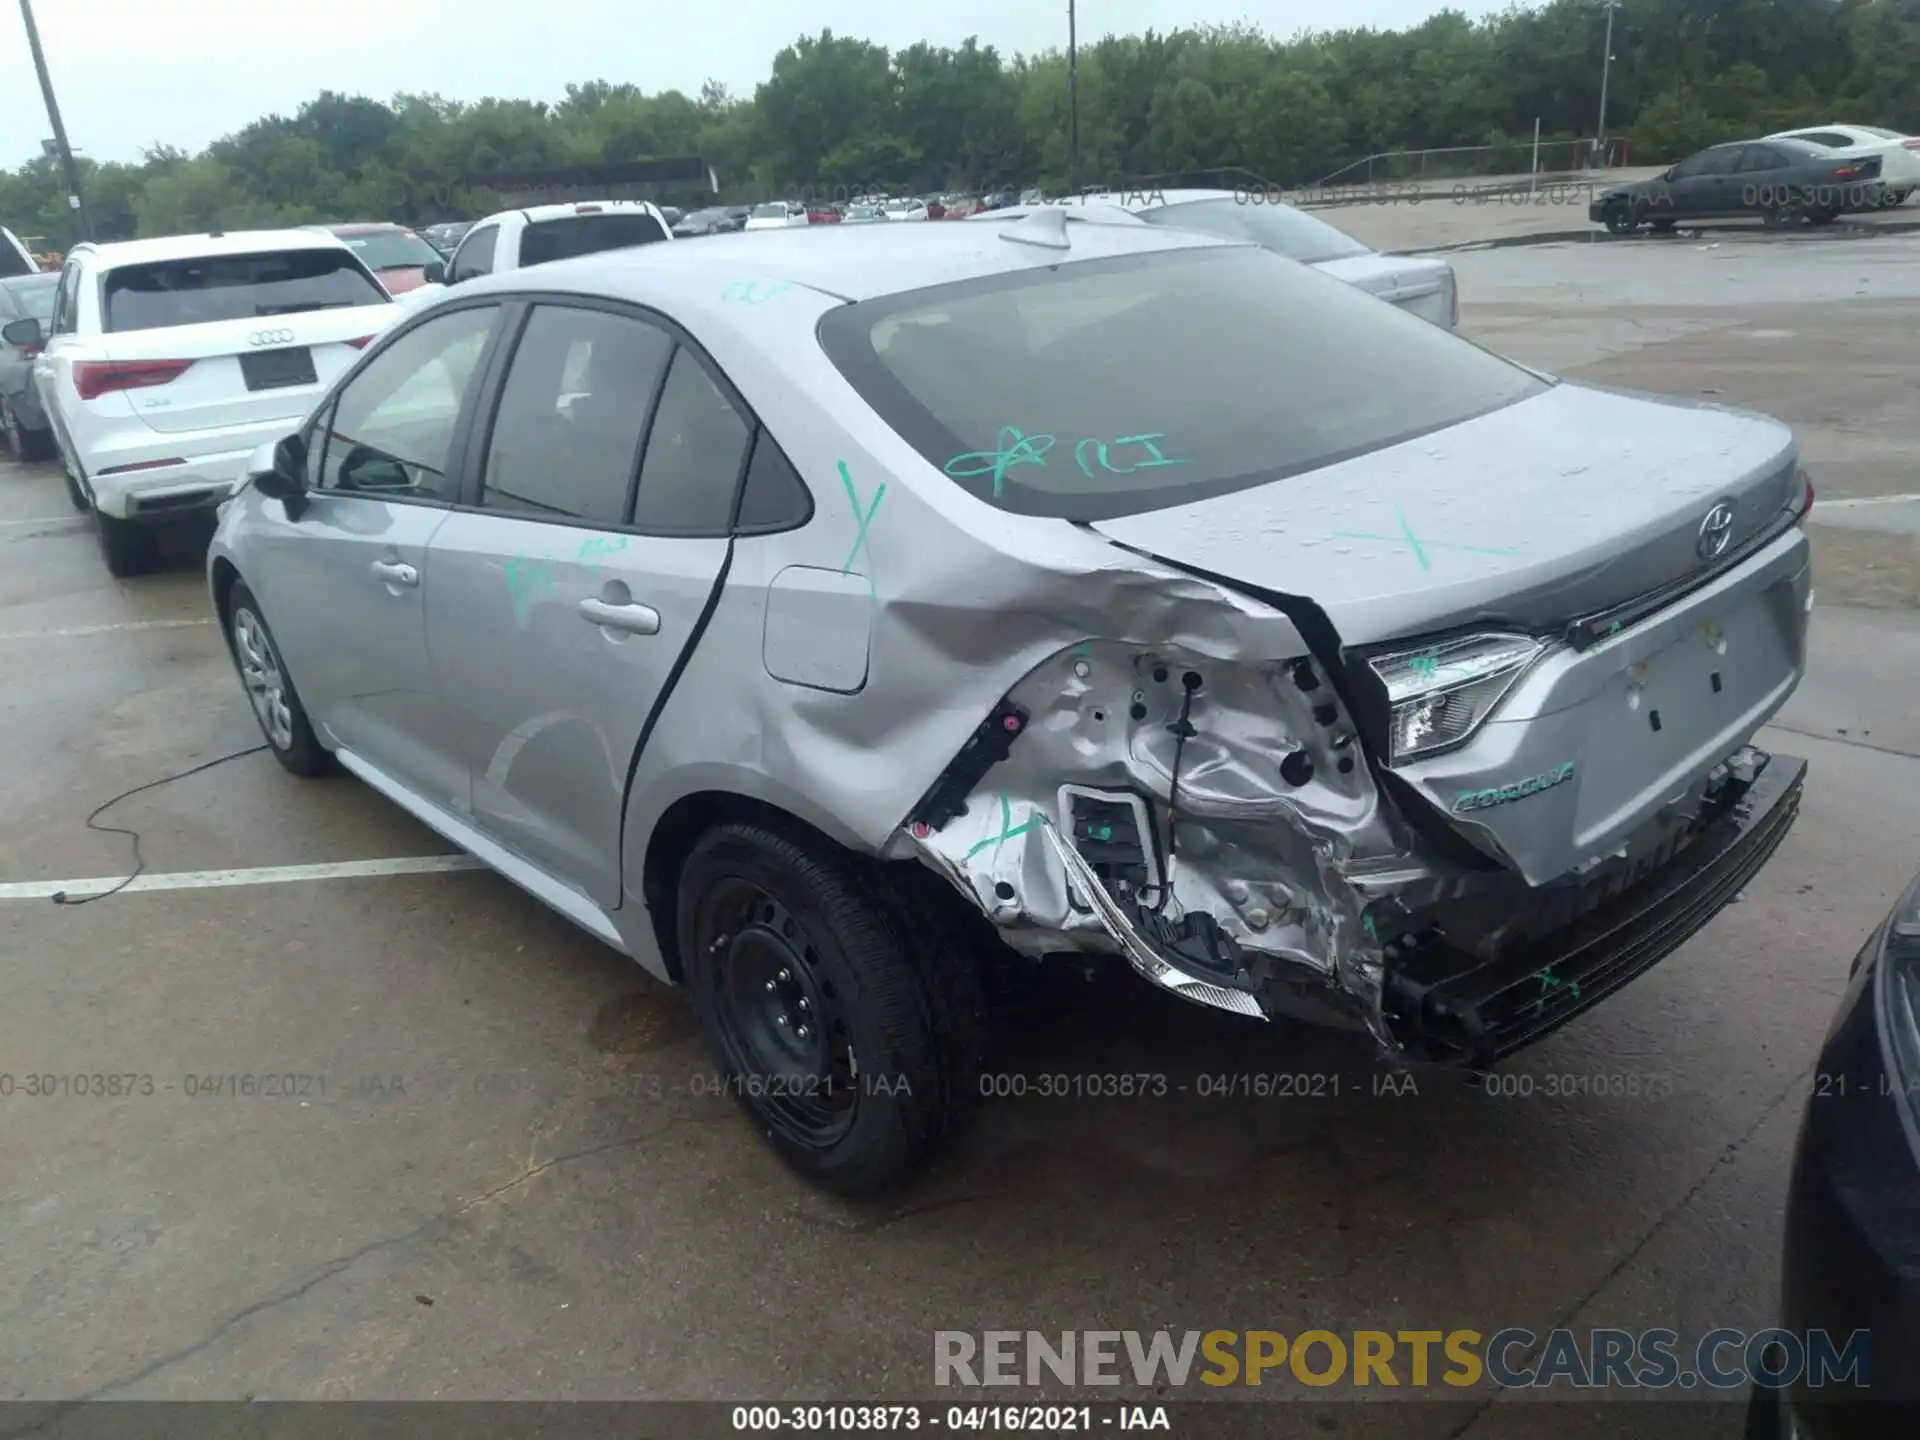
1073, 105
1606, 67
75, 201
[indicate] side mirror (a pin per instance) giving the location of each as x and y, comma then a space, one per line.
24, 333
279, 471
435, 273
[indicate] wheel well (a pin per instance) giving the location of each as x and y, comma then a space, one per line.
225, 577
691, 815
673, 837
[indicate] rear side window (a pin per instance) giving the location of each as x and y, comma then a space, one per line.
572, 235
695, 448
1112, 387
235, 287
567, 434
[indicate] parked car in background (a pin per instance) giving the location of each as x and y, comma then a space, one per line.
1899, 154
15, 257
714, 220
998, 200
866, 214
672, 214
936, 207
739, 215
1848, 1271
166, 363
1408, 798
1782, 182
447, 235
1424, 285
959, 207
400, 259
777, 215
823, 213
514, 239
905, 209
24, 297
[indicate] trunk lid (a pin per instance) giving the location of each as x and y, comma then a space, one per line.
1413, 282
214, 393
1565, 504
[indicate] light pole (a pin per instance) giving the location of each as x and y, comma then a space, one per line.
1606, 67
1073, 105
75, 200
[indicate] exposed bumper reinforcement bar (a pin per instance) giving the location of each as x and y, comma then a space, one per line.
1443, 1004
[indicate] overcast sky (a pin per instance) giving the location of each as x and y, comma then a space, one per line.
132, 73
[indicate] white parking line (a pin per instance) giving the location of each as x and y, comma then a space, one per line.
1824, 504
50, 520
67, 630
262, 875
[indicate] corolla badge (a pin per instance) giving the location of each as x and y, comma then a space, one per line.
1519, 790
1716, 532
270, 337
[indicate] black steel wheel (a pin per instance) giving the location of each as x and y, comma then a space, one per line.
846, 1023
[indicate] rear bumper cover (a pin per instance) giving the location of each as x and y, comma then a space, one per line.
1446, 1005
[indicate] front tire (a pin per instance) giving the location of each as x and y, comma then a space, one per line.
129, 549
1621, 220
848, 1027
276, 704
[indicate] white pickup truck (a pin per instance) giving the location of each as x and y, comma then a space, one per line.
514, 239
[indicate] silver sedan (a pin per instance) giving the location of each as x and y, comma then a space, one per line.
813, 616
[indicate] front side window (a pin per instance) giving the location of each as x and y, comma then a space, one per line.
1116, 386
695, 450
475, 256
1759, 157
391, 429
203, 289
567, 434
1293, 233
572, 235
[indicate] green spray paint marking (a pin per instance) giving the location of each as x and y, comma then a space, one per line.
1021, 451
754, 292
602, 545
864, 519
1007, 828
1550, 982
526, 578
1418, 546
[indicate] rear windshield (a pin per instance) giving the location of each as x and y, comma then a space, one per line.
1112, 387
1294, 233
391, 249
573, 235
236, 287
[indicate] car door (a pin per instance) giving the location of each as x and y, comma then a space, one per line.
1762, 182
343, 581
563, 599
55, 360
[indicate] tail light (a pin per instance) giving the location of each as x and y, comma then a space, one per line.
1911, 143
1453, 303
1846, 172
140, 465
362, 342
1806, 500
94, 378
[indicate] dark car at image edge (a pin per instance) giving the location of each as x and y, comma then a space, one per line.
1852, 1251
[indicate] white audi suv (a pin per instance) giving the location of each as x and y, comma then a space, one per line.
167, 362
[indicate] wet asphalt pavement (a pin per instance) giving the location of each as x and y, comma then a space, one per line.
493, 1170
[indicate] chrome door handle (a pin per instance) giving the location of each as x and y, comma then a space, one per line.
636, 619
394, 574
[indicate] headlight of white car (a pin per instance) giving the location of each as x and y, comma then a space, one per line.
1440, 693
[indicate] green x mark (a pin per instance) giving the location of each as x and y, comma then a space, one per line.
1007, 828
1417, 545
865, 519
1550, 982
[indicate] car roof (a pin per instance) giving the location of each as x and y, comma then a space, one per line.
366, 227
209, 245
566, 209
859, 264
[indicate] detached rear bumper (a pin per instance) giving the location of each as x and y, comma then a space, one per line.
1443, 1004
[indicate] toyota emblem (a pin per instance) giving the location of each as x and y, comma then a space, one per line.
270, 337
1716, 532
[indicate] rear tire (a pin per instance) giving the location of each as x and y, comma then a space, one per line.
847, 1022
128, 549
269, 688
23, 444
